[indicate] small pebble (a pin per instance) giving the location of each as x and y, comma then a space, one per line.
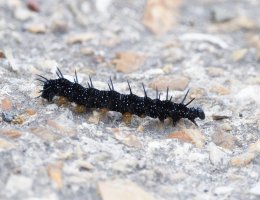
33, 5
36, 28
128, 61
239, 54
224, 139
174, 82
122, 189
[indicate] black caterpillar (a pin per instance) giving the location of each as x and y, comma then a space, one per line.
91, 97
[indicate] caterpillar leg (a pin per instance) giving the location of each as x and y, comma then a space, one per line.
127, 117
80, 109
62, 101
103, 112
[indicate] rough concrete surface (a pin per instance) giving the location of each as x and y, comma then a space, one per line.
48, 150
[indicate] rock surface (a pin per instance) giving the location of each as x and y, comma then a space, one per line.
57, 150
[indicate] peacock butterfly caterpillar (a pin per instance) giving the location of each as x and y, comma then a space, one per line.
90, 97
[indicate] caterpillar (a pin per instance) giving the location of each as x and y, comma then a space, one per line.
112, 100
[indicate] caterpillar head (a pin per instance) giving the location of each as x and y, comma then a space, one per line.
195, 113
49, 90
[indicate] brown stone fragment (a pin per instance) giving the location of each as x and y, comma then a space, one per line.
247, 157
59, 26
242, 160
174, 82
122, 189
80, 38
30, 111
95, 118
224, 139
5, 145
6, 104
10, 133
19, 119
36, 28
55, 173
44, 134
193, 136
197, 93
63, 125
215, 71
161, 15
126, 138
2, 55
33, 5
220, 90
239, 54
181, 135
128, 61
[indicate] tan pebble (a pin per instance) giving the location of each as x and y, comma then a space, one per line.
95, 118
238, 23
220, 90
59, 26
85, 165
10, 133
226, 126
235, 177
160, 16
80, 37
181, 135
239, 54
55, 173
87, 51
254, 40
6, 104
140, 128
242, 160
224, 139
127, 138
197, 93
36, 28
122, 189
128, 61
174, 82
215, 71
167, 68
20, 119
244, 22
190, 135
65, 126
222, 114
44, 134
5, 145
30, 111
255, 147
